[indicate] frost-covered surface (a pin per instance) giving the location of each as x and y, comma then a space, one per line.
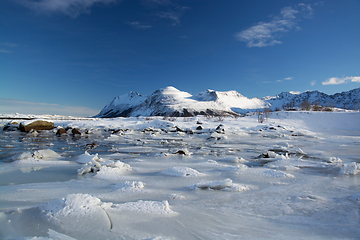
295, 176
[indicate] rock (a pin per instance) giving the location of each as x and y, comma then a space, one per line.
90, 146
179, 129
75, 131
60, 132
220, 129
181, 152
116, 131
37, 125
11, 126
199, 128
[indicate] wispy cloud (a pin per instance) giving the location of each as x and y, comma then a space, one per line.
139, 25
5, 47
5, 51
10, 105
265, 34
8, 44
173, 15
336, 80
72, 8
157, 2
313, 83
280, 80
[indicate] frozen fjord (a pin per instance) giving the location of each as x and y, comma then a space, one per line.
292, 177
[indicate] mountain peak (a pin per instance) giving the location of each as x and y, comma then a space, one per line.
170, 101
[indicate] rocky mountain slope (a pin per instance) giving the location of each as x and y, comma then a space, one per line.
173, 102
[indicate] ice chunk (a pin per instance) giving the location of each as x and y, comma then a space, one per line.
175, 196
276, 174
129, 186
39, 154
112, 173
87, 157
334, 160
150, 207
225, 185
233, 160
350, 169
182, 172
234, 168
76, 211
95, 164
58, 236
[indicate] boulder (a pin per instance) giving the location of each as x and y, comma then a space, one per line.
75, 131
37, 125
60, 132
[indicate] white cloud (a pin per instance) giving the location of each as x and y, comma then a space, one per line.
72, 8
313, 83
9, 105
336, 80
174, 14
285, 79
139, 25
265, 34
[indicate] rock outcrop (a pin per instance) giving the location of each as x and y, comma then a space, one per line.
37, 125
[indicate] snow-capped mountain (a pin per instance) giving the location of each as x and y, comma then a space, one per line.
173, 102
348, 100
122, 105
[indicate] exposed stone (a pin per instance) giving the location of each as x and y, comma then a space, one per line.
90, 146
220, 129
61, 131
11, 126
117, 131
199, 128
75, 131
180, 152
37, 125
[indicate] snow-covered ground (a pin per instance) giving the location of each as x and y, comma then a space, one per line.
295, 176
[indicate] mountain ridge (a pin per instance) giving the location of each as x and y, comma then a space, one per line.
170, 101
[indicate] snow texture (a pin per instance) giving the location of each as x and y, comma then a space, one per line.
294, 176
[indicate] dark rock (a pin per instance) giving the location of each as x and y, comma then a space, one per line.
37, 125
220, 129
198, 122
91, 146
61, 131
116, 131
180, 152
11, 126
75, 131
199, 128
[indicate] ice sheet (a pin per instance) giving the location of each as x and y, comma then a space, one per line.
295, 176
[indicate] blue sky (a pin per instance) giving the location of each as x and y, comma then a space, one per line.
72, 57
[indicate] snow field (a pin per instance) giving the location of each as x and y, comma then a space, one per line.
287, 178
